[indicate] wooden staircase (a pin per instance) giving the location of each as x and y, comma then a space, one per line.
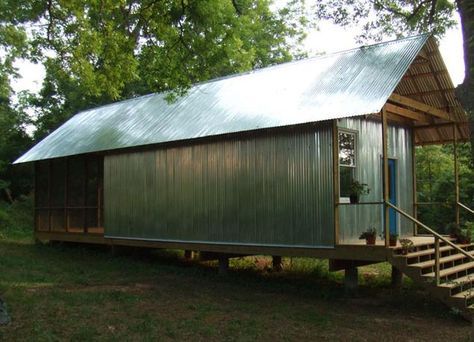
455, 286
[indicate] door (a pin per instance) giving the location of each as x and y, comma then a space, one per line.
392, 193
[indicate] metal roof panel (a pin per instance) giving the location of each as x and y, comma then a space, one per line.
344, 84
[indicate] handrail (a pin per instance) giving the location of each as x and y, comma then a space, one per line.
465, 207
459, 249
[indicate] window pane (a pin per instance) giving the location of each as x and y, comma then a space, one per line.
346, 177
347, 149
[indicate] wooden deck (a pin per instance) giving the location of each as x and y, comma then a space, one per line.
360, 251
417, 241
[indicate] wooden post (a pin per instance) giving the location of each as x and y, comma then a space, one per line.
66, 201
335, 176
188, 254
223, 264
35, 204
456, 174
397, 277
437, 260
50, 168
383, 113
351, 280
277, 263
84, 210
413, 168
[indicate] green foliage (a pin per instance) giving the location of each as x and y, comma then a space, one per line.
435, 184
369, 233
358, 188
16, 219
96, 52
390, 18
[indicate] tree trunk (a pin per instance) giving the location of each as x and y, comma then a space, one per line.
466, 90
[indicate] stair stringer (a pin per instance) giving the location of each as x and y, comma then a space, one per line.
439, 292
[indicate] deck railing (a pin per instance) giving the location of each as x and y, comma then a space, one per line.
465, 207
437, 238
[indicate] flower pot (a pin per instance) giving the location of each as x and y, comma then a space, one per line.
354, 198
393, 242
370, 240
463, 240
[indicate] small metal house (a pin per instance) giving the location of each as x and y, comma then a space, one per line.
255, 163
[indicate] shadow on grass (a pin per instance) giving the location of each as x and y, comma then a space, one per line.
72, 265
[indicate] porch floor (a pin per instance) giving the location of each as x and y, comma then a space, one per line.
417, 241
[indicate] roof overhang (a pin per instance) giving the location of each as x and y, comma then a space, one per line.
426, 99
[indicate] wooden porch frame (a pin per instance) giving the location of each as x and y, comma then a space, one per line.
420, 106
335, 175
383, 115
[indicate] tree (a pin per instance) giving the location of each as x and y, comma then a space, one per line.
400, 17
99, 51
13, 137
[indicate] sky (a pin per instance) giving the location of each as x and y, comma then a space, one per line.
328, 38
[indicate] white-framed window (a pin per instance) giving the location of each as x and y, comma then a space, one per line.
347, 161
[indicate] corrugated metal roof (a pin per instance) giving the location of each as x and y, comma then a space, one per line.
344, 84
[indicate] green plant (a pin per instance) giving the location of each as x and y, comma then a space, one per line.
407, 245
452, 229
358, 188
368, 234
464, 236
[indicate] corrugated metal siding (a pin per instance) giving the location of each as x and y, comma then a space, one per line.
354, 219
267, 190
349, 83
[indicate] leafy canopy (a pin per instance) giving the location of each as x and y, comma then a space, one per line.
99, 51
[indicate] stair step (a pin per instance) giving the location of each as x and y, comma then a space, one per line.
431, 250
427, 252
442, 260
452, 270
468, 294
458, 282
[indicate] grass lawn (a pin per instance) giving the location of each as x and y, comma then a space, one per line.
82, 293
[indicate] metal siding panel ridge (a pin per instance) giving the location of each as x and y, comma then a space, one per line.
344, 84
264, 190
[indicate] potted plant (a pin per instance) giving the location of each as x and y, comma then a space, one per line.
407, 246
369, 235
356, 190
464, 236
452, 229
393, 239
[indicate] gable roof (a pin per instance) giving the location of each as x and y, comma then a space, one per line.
349, 83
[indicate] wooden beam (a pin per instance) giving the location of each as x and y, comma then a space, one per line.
385, 176
431, 92
407, 113
413, 170
440, 142
352, 252
335, 182
423, 54
456, 173
425, 74
423, 107
391, 117
440, 125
